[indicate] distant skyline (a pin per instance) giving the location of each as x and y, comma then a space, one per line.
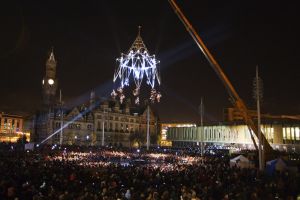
88, 36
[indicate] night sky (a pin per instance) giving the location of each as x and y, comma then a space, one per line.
88, 36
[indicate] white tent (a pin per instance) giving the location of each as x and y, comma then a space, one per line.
241, 161
29, 146
277, 164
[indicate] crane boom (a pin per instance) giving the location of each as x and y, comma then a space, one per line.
237, 101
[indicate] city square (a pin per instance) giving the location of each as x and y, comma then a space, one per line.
161, 100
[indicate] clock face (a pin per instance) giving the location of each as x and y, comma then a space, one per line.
50, 81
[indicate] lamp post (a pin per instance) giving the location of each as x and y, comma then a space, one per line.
61, 119
258, 96
103, 126
148, 127
202, 128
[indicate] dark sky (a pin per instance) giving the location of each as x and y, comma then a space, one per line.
89, 35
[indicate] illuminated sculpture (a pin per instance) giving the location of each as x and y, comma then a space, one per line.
137, 63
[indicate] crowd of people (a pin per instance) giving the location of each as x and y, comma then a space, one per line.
129, 174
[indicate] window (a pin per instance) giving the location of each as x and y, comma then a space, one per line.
288, 133
89, 127
56, 136
57, 125
292, 133
98, 125
5, 123
297, 133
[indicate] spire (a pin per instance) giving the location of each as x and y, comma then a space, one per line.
139, 34
51, 57
92, 97
138, 43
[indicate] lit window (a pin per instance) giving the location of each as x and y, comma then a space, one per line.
288, 133
70, 126
297, 133
292, 133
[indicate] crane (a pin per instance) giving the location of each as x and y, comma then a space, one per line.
234, 97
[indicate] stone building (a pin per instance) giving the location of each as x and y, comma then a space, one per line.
12, 128
105, 124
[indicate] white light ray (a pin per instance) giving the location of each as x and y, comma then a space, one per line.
66, 124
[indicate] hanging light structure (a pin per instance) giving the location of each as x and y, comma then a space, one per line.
138, 65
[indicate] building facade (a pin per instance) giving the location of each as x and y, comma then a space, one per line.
11, 128
163, 132
106, 124
282, 135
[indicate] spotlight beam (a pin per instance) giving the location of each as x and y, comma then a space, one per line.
66, 124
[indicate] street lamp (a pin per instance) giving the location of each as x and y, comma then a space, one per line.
103, 126
258, 95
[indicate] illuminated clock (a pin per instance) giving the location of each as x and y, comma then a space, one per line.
50, 81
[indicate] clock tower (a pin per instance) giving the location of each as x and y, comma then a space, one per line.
49, 82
